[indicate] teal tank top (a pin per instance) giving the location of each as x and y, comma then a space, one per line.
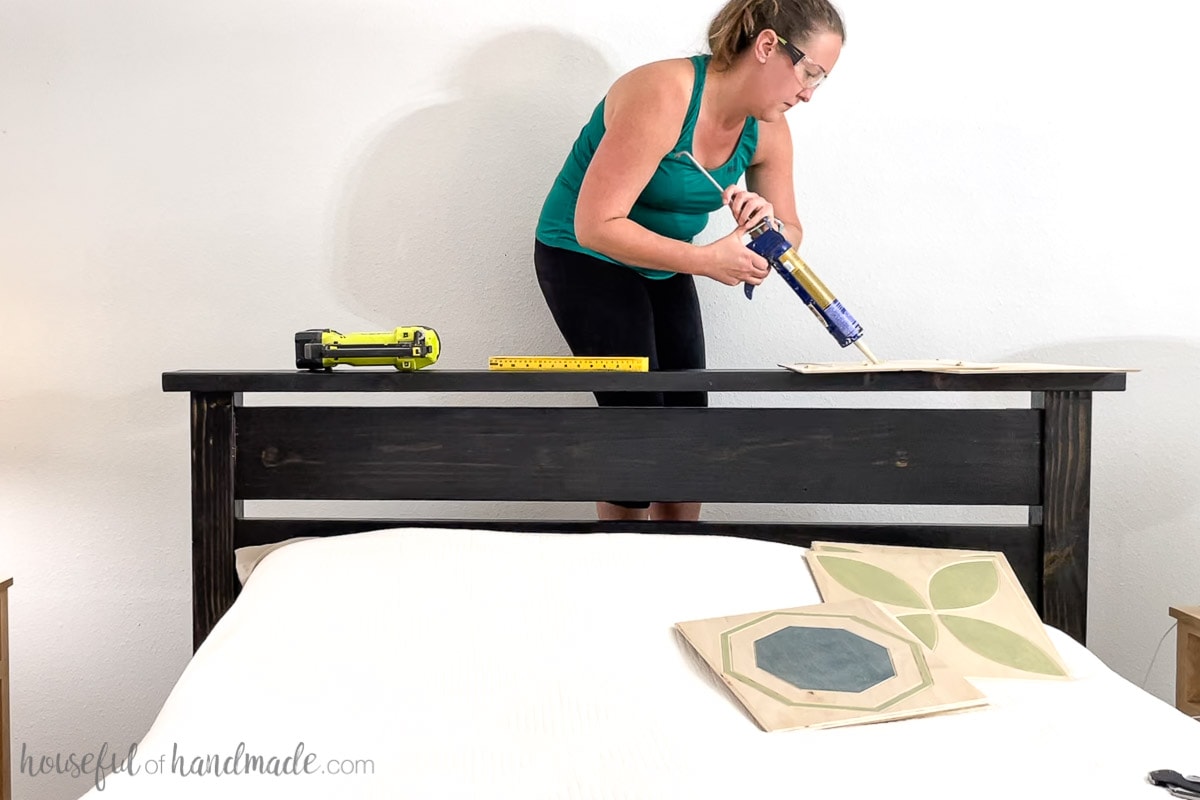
675, 203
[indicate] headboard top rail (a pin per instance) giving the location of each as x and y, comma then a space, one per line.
765, 380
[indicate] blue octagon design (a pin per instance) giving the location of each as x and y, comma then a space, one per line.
824, 659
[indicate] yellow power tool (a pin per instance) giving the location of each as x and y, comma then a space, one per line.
407, 349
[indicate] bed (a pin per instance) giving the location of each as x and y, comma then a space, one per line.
536, 658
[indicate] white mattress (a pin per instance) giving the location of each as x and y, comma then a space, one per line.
469, 664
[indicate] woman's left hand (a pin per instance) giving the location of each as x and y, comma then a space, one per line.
748, 208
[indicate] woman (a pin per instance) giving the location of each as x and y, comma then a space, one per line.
613, 249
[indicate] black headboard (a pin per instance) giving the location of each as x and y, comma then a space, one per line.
1033, 453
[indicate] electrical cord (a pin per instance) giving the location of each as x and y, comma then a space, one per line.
1157, 650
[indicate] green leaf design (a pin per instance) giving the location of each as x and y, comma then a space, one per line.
837, 549
965, 584
923, 627
1001, 645
871, 582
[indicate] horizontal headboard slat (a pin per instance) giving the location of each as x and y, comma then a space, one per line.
746, 455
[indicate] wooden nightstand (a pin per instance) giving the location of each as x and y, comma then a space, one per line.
1187, 660
5, 734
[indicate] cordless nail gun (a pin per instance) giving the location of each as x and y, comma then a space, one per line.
407, 349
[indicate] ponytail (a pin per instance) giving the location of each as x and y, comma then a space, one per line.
740, 21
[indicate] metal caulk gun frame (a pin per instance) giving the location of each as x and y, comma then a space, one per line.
771, 245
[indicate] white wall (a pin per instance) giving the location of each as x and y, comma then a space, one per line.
186, 185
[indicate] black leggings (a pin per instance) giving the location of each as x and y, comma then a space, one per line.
605, 309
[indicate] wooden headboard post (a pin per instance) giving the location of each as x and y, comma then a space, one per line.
215, 509
1036, 455
1065, 510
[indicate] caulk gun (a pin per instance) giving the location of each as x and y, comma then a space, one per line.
783, 258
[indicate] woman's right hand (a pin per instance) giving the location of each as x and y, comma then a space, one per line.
729, 261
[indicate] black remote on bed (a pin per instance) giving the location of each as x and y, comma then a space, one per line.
1172, 779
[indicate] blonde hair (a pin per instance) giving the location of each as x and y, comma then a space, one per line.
740, 21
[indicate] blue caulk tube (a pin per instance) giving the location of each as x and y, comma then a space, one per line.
783, 258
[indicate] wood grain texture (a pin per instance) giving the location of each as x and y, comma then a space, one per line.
734, 455
1187, 660
214, 510
1066, 508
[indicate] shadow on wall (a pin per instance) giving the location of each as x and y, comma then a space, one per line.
436, 225
1146, 439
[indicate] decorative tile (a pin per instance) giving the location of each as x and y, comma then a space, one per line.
827, 665
966, 606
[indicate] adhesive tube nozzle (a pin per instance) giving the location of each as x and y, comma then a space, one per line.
866, 351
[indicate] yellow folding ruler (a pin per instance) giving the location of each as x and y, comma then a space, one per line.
570, 363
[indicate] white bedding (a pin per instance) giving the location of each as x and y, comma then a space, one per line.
468, 664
